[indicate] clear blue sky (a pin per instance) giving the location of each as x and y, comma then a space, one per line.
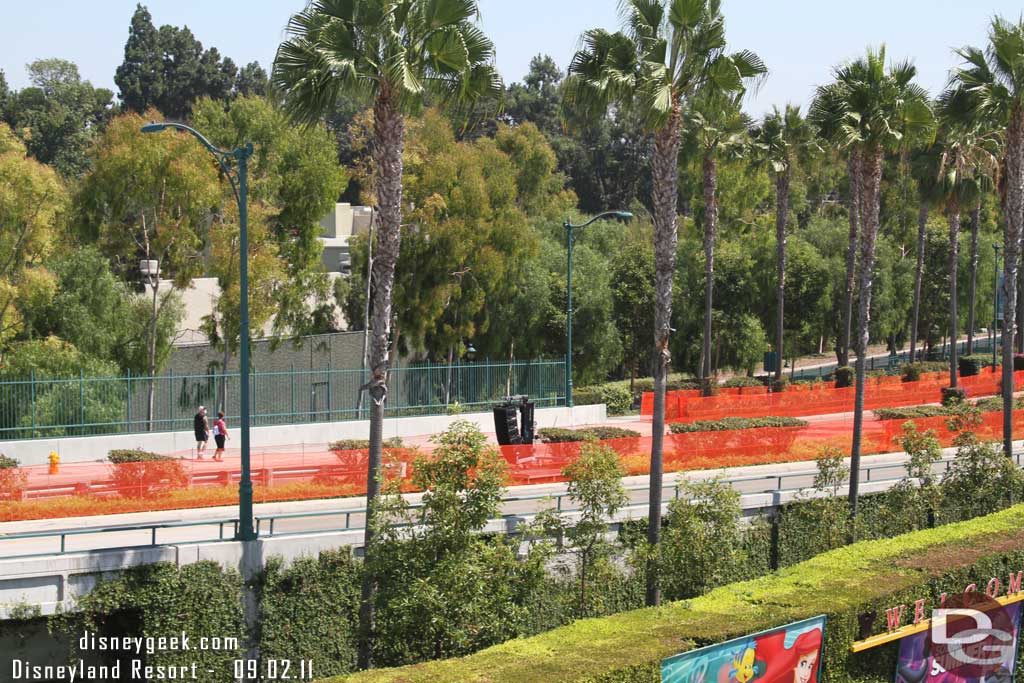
799, 39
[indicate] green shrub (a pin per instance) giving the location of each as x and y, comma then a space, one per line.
845, 583
972, 365
743, 381
12, 479
122, 455
731, 423
140, 474
911, 412
952, 396
362, 444
844, 376
615, 395
560, 435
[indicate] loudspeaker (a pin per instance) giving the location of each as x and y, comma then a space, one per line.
505, 426
526, 419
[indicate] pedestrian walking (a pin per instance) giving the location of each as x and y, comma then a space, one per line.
220, 435
202, 429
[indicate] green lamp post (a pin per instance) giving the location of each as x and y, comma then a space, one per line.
570, 239
246, 532
995, 304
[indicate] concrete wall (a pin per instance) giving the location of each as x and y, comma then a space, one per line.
92, 448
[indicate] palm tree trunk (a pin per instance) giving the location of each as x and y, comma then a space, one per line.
389, 140
710, 172
922, 225
954, 264
1013, 212
854, 172
975, 228
781, 214
870, 183
665, 178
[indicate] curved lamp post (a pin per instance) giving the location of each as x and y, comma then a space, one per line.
246, 532
995, 304
570, 238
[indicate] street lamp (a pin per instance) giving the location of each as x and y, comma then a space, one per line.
570, 238
246, 532
995, 303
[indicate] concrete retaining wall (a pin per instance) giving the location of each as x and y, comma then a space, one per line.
92, 448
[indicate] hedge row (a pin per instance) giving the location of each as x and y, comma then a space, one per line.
618, 397
860, 579
558, 435
985, 405
731, 423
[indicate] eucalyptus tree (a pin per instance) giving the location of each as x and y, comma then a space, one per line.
783, 141
869, 109
392, 53
969, 159
718, 127
995, 79
666, 52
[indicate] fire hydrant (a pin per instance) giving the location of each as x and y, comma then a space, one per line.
54, 462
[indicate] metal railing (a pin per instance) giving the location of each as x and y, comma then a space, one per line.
981, 345
45, 407
775, 484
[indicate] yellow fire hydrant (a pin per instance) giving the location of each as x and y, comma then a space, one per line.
54, 462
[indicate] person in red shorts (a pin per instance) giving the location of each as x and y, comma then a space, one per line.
220, 435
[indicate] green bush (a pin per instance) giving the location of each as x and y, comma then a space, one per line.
122, 455
140, 474
844, 584
615, 395
973, 364
952, 396
844, 376
362, 444
12, 479
911, 412
731, 423
560, 435
742, 381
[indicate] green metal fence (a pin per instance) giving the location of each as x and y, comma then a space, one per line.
46, 407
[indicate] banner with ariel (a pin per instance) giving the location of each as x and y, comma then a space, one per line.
788, 654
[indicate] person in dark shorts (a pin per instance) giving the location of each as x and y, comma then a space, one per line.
202, 429
220, 435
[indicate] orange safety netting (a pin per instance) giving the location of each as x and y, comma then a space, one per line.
819, 399
80, 489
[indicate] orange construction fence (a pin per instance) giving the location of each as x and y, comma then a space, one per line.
819, 399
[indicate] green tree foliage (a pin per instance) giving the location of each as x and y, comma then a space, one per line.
168, 69
632, 284
58, 116
33, 203
98, 313
703, 544
472, 586
294, 181
596, 490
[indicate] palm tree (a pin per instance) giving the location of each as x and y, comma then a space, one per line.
665, 53
995, 80
869, 109
784, 140
923, 164
969, 158
717, 126
392, 53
